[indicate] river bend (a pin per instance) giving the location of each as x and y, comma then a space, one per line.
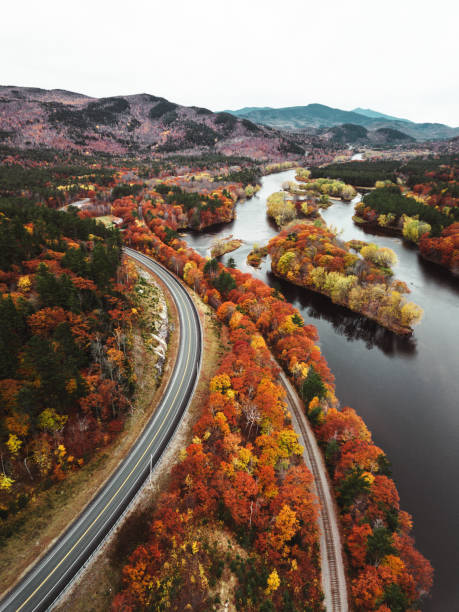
406, 389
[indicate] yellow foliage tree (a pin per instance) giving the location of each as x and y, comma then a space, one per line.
348, 192
300, 369
395, 563
385, 220
24, 284
14, 444
222, 423
413, 229
42, 454
116, 359
244, 460
287, 326
285, 262
288, 443
220, 383
318, 277
342, 286
5, 482
356, 298
286, 526
380, 256
273, 582
257, 342
188, 270
411, 314
302, 174
50, 420
280, 208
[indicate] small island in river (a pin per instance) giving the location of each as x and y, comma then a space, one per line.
314, 257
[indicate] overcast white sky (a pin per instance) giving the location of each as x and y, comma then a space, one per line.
396, 56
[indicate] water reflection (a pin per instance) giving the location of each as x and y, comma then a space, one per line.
406, 390
432, 273
351, 325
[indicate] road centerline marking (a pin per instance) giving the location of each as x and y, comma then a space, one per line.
116, 493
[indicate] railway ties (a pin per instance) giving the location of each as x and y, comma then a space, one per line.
334, 581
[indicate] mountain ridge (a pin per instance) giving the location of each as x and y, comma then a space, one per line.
143, 123
137, 123
368, 112
320, 116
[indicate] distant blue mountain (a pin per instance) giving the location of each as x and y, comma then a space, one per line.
367, 112
320, 116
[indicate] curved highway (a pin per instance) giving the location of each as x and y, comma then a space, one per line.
49, 577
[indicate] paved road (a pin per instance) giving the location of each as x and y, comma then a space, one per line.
43, 584
331, 556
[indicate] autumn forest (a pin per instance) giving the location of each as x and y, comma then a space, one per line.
86, 332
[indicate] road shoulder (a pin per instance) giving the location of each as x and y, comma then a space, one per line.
48, 518
95, 586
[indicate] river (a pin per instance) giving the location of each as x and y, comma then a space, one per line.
405, 389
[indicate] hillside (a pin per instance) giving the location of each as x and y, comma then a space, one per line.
32, 117
368, 112
321, 116
298, 117
349, 133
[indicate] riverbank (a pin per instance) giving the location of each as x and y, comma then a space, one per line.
435, 257
396, 329
373, 227
257, 314
364, 357
312, 256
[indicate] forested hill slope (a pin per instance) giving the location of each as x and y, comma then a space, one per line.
65, 370
322, 116
368, 112
31, 117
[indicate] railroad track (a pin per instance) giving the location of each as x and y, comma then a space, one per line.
333, 574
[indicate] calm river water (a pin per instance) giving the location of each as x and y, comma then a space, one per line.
406, 390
